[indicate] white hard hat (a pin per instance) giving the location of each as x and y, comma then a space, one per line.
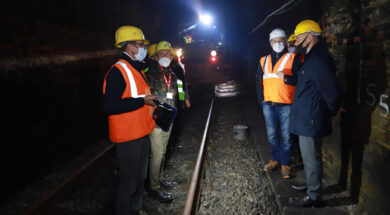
277, 33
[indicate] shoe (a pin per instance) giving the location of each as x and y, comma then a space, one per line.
168, 184
303, 202
271, 166
299, 187
161, 195
286, 172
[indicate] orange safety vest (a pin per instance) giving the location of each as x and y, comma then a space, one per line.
275, 90
134, 124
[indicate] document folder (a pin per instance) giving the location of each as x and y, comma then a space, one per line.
164, 115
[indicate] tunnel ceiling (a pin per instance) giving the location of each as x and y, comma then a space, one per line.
44, 27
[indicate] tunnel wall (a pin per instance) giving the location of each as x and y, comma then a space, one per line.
50, 115
357, 154
53, 58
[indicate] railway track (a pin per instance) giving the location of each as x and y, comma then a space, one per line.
193, 195
218, 183
52, 201
48, 203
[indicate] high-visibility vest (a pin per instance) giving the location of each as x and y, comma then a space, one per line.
275, 90
180, 90
134, 124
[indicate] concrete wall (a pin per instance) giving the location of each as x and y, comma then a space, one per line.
357, 154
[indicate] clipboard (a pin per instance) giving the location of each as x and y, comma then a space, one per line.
164, 115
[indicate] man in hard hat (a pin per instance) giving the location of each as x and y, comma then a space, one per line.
151, 57
291, 47
179, 70
317, 98
183, 95
163, 84
275, 94
290, 43
152, 50
129, 105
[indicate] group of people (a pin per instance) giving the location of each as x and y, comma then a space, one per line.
299, 92
296, 87
130, 89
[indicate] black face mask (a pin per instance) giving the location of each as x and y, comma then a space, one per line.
299, 49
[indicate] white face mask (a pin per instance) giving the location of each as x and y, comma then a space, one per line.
164, 62
278, 47
140, 56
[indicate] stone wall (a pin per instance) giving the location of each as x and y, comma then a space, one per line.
357, 154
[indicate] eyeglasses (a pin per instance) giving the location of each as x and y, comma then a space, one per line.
143, 45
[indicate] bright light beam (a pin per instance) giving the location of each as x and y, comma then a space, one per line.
205, 19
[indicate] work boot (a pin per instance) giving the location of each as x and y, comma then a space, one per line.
168, 184
161, 195
271, 166
304, 202
286, 172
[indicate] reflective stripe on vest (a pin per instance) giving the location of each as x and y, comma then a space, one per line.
137, 123
275, 89
133, 86
280, 69
180, 90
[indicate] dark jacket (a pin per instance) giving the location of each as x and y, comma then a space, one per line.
157, 83
317, 96
179, 71
289, 79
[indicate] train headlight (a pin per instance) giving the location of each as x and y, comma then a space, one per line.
179, 53
205, 19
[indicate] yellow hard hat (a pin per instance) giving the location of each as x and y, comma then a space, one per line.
308, 26
128, 33
292, 38
152, 50
163, 45
173, 51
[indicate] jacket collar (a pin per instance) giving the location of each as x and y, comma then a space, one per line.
276, 56
314, 48
136, 64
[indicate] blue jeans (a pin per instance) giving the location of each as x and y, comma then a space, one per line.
312, 164
275, 116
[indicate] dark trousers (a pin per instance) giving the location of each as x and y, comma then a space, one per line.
132, 157
312, 163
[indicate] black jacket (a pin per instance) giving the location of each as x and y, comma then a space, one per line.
317, 96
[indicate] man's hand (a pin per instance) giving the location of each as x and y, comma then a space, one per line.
148, 100
280, 74
188, 103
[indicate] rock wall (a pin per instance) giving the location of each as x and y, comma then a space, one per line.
357, 154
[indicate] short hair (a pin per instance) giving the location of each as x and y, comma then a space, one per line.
123, 45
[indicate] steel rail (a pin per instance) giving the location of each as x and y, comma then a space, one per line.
194, 188
46, 205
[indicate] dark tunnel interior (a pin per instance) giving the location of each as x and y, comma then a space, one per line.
54, 56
